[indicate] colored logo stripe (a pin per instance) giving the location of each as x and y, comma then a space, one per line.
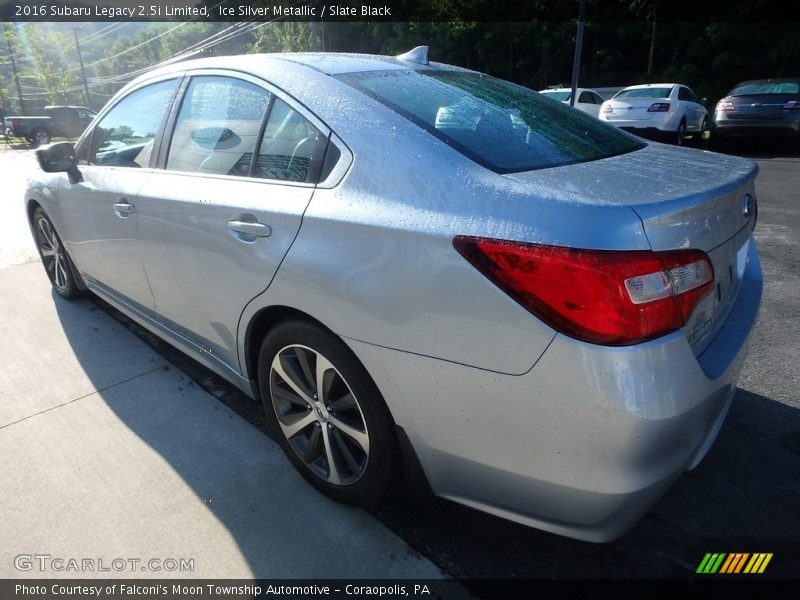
711, 563
721, 562
758, 563
734, 563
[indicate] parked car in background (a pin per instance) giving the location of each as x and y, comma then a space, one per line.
664, 111
762, 108
588, 100
421, 268
57, 121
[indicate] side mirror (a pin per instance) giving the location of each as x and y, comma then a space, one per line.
59, 158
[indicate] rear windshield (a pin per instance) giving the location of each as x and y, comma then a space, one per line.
651, 92
766, 87
560, 96
504, 127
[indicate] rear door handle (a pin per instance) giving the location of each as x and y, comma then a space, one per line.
123, 209
250, 229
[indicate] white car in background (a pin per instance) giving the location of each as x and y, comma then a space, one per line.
669, 111
588, 101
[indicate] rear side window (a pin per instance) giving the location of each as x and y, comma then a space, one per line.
289, 146
217, 126
502, 126
124, 137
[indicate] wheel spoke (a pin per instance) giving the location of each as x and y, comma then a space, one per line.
292, 429
279, 392
346, 453
47, 234
344, 403
302, 360
46, 252
313, 450
333, 470
359, 437
60, 273
278, 367
324, 367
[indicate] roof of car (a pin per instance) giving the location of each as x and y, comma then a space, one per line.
769, 80
649, 85
566, 89
328, 63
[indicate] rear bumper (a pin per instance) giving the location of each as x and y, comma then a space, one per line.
722, 128
585, 442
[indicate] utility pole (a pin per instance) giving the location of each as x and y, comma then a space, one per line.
16, 75
576, 65
83, 71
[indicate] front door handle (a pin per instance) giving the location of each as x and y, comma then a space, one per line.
123, 209
250, 229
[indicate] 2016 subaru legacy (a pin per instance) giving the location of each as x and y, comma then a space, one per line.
421, 269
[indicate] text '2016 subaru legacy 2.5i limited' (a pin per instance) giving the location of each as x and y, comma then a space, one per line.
420, 268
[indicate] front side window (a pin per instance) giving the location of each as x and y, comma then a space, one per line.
124, 137
217, 126
504, 127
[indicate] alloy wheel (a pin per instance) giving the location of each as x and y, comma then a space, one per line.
52, 254
319, 415
42, 137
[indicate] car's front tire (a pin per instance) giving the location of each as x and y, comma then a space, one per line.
327, 414
57, 263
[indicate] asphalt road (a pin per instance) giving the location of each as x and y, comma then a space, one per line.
744, 497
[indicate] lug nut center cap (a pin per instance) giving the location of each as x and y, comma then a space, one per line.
322, 413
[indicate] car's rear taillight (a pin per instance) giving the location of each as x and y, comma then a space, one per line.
659, 107
725, 106
792, 105
615, 298
606, 108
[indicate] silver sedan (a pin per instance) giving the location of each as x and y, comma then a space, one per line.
421, 270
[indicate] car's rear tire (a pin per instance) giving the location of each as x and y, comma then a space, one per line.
680, 134
57, 263
327, 414
41, 137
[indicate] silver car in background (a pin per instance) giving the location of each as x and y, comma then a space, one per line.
421, 269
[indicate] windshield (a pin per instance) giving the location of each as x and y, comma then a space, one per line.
766, 87
504, 127
560, 96
657, 92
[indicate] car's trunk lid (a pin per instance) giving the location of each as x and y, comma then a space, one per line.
760, 106
684, 199
632, 109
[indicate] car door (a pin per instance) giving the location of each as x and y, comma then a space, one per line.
587, 103
98, 215
216, 222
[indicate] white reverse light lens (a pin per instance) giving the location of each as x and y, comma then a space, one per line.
646, 288
673, 282
688, 277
